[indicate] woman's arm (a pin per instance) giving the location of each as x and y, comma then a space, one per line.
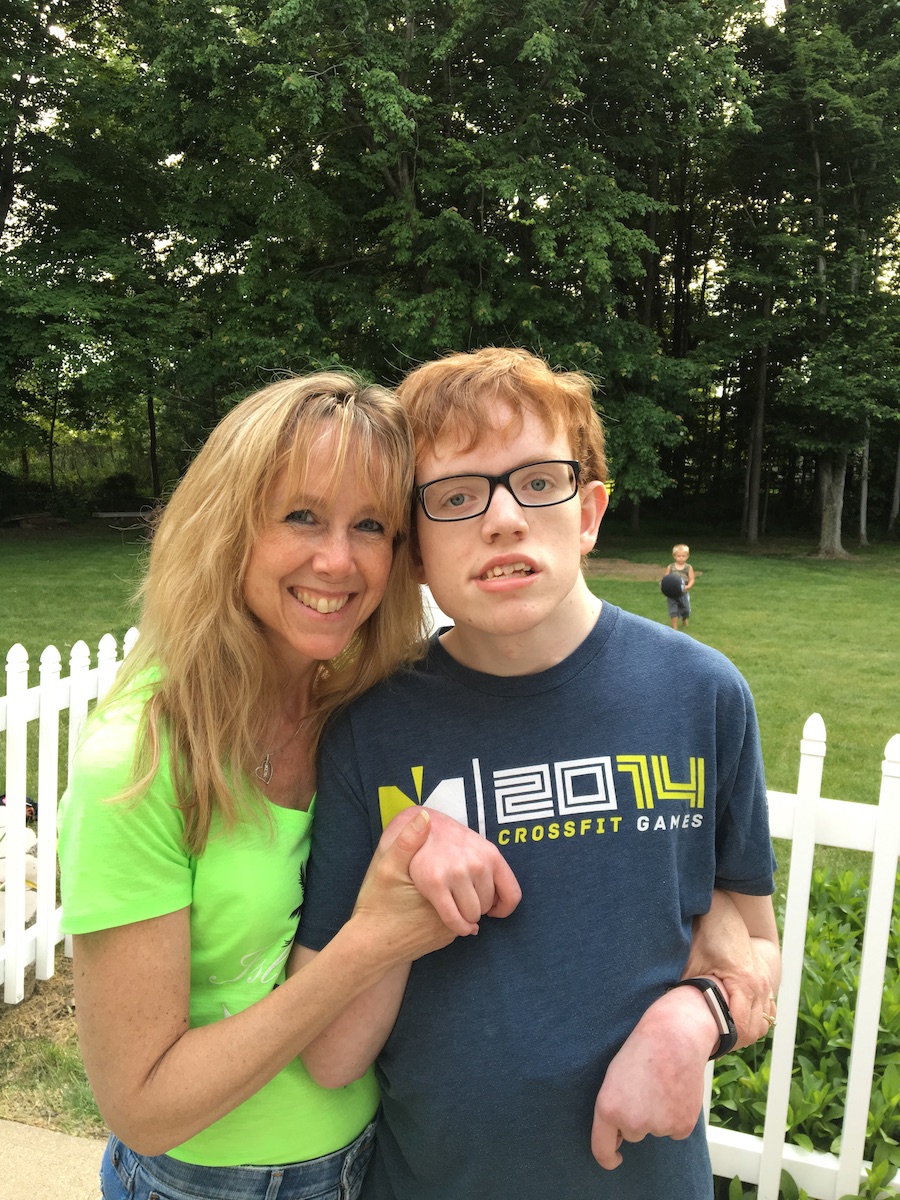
465, 877
736, 942
346, 1049
157, 1081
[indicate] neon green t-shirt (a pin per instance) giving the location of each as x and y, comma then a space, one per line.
123, 861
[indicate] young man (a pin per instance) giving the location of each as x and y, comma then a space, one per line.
543, 720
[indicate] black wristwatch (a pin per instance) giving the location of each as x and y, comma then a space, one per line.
719, 1009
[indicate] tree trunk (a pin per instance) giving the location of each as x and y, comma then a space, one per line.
764, 516
864, 490
154, 461
895, 498
634, 518
757, 429
832, 470
51, 441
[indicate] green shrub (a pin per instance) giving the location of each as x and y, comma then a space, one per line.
834, 932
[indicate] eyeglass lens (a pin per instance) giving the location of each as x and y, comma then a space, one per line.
537, 485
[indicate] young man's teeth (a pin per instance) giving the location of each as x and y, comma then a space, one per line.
321, 605
506, 569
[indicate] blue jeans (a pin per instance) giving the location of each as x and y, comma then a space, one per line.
125, 1175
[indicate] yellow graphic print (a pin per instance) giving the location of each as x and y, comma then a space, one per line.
392, 800
663, 786
635, 765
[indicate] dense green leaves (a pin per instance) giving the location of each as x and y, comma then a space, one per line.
693, 205
816, 1108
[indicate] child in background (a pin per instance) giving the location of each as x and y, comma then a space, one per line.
680, 606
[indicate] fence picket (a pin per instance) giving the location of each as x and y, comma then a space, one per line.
803, 845
47, 795
107, 664
15, 940
79, 695
872, 971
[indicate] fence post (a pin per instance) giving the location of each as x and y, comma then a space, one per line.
16, 753
803, 845
79, 695
107, 664
47, 793
871, 976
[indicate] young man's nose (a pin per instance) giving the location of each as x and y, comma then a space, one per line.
504, 514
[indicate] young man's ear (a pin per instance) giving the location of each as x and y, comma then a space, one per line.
594, 499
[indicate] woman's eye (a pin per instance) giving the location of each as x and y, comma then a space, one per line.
371, 525
301, 516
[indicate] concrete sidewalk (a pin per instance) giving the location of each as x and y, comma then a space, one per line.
40, 1164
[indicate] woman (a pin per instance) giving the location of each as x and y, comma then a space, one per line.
185, 827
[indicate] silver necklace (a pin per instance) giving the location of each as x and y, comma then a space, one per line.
265, 770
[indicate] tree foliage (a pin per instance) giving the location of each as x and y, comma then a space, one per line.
694, 205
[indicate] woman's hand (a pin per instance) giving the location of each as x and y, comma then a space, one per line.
463, 874
404, 924
736, 942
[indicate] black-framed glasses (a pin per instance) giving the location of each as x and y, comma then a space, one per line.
535, 485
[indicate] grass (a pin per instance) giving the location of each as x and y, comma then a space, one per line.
62, 585
45, 1082
58, 587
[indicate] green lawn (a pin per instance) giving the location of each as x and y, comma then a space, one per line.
61, 585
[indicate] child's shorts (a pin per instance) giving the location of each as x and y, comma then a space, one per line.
680, 606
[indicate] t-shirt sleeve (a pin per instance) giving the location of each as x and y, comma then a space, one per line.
745, 861
343, 841
120, 860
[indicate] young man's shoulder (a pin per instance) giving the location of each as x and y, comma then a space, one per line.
637, 631
623, 644
402, 683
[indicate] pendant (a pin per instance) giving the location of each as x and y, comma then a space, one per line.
264, 771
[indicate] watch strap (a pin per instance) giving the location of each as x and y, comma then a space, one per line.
718, 1006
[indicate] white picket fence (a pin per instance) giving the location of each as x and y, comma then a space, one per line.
27, 940
805, 818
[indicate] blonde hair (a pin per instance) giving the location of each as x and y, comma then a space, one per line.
680, 546
217, 686
457, 396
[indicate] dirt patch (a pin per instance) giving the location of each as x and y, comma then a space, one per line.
42, 1079
621, 568
48, 1012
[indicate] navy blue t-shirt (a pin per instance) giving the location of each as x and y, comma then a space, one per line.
619, 806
